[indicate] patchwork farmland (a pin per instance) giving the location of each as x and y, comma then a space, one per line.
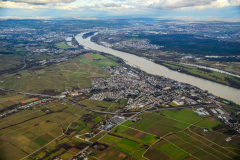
66, 75
160, 134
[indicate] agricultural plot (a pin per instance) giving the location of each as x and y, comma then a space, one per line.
66, 75
173, 151
10, 99
156, 124
28, 130
155, 153
127, 146
62, 45
208, 147
8, 61
97, 56
111, 153
110, 140
100, 105
97, 119
209, 123
101, 60
183, 115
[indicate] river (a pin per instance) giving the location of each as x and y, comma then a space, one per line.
156, 69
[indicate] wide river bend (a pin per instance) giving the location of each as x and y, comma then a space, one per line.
156, 69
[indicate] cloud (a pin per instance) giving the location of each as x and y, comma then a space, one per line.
41, 1
200, 4
9, 4
175, 4
103, 5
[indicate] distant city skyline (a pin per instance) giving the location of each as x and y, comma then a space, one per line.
114, 8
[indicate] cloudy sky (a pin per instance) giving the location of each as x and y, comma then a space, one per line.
135, 8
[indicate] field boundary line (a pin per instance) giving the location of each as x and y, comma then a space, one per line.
201, 148
211, 141
232, 148
153, 144
138, 130
207, 145
15, 97
25, 132
52, 140
48, 130
181, 149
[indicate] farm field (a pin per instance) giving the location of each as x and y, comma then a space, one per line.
10, 99
8, 61
179, 139
101, 62
62, 45
100, 105
127, 146
66, 75
209, 123
110, 139
183, 115
28, 130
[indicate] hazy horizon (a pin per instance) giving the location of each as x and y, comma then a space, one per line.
120, 8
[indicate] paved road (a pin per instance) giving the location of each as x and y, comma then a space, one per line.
103, 112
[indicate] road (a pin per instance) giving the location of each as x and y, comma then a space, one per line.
103, 112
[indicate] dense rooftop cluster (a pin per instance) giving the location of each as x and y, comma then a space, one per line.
140, 89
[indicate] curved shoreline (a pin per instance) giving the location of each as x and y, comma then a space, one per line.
217, 89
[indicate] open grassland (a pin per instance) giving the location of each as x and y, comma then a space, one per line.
62, 45
66, 75
27, 131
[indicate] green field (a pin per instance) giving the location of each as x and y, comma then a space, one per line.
213, 76
100, 105
97, 119
127, 146
150, 139
111, 153
29, 130
62, 45
97, 56
208, 123
183, 115
8, 61
10, 99
111, 139
100, 63
173, 151
66, 75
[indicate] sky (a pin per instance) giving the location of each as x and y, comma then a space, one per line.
120, 8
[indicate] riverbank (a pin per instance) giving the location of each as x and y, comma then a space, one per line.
217, 89
207, 74
203, 73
